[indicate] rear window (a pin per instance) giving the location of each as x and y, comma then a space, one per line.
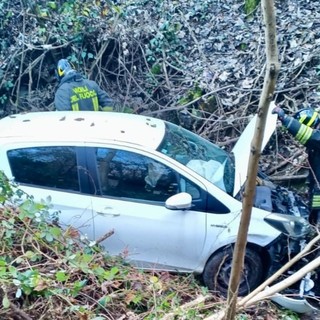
53, 167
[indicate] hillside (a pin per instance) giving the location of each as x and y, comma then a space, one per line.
198, 64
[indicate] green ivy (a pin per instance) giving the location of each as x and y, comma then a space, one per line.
191, 95
250, 6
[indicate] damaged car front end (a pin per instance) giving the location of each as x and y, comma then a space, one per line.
290, 215
301, 296
279, 229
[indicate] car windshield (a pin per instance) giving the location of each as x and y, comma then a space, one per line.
200, 155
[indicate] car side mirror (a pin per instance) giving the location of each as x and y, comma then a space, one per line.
180, 201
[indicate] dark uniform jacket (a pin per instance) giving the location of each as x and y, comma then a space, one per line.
311, 139
77, 93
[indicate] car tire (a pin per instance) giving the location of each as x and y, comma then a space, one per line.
217, 271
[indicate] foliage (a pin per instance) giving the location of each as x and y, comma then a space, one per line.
35, 34
250, 6
149, 55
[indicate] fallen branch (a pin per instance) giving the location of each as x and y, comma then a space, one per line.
105, 236
217, 316
20, 313
285, 162
288, 178
243, 302
186, 306
270, 291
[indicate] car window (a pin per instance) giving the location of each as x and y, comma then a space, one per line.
191, 188
126, 174
200, 155
54, 167
131, 175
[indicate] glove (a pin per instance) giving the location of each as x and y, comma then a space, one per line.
280, 112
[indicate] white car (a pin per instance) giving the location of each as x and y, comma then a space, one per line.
171, 197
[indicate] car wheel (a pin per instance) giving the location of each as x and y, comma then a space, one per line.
217, 272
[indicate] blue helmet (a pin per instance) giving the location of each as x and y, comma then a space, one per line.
308, 116
63, 68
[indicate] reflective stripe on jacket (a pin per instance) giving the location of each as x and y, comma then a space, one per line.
77, 93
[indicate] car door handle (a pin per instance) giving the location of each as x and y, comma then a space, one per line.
108, 211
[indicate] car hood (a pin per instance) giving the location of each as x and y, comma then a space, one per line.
241, 149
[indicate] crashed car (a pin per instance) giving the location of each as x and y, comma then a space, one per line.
171, 198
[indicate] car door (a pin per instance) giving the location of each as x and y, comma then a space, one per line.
133, 189
57, 172
144, 230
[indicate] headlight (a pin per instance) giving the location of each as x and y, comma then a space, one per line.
292, 226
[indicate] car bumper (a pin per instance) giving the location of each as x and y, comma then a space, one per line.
296, 305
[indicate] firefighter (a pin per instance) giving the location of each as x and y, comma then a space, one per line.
76, 93
305, 128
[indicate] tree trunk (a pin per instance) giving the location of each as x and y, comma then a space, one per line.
272, 69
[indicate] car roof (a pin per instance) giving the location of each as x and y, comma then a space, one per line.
64, 126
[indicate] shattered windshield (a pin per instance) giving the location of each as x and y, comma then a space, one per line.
200, 155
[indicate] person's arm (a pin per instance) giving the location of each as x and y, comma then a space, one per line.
105, 102
302, 133
62, 100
